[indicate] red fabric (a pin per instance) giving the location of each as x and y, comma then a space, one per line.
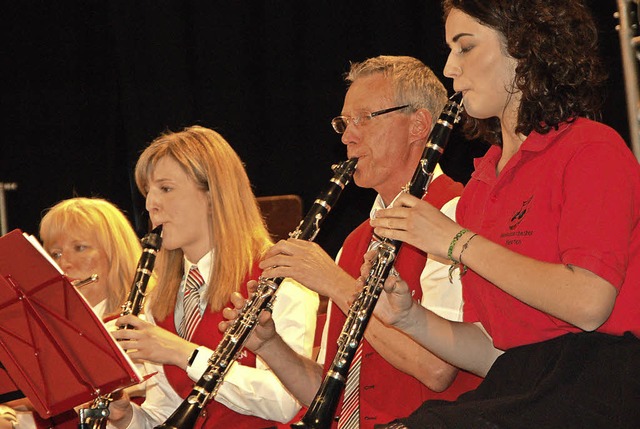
385, 392
215, 415
571, 196
70, 419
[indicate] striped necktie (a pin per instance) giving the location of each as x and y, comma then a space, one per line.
350, 414
191, 303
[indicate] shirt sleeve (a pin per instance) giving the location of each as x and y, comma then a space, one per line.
439, 294
257, 391
598, 242
161, 401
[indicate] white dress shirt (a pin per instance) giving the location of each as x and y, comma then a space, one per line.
438, 294
246, 390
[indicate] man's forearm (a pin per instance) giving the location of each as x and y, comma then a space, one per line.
299, 374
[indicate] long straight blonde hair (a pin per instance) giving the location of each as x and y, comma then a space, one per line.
236, 227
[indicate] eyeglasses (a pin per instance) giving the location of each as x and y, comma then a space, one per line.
340, 123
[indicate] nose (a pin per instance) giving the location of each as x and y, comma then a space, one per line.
349, 134
151, 202
452, 69
64, 263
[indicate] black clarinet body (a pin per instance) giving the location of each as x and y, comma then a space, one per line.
322, 409
206, 388
151, 243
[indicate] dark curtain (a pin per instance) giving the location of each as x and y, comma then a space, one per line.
88, 84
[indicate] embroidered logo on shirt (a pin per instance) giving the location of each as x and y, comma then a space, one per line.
518, 216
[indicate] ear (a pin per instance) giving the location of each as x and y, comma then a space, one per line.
421, 125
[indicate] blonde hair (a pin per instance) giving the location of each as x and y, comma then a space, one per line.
413, 82
113, 235
235, 226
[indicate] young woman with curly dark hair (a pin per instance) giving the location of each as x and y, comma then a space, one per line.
548, 234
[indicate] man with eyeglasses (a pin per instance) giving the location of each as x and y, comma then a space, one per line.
388, 112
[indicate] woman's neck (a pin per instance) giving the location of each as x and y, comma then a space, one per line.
511, 140
94, 293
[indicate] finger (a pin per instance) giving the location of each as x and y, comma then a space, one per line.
223, 326
370, 255
406, 200
126, 334
278, 248
129, 321
128, 344
229, 313
264, 317
252, 287
390, 284
365, 269
277, 271
237, 300
389, 233
276, 261
352, 299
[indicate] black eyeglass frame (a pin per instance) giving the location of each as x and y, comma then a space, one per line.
358, 119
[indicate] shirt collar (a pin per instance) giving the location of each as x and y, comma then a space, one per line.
535, 142
379, 203
204, 265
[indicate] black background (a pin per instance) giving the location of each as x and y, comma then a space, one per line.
88, 84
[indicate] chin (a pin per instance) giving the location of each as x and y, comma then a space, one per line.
360, 180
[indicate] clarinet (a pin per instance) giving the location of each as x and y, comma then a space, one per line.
322, 409
185, 416
151, 243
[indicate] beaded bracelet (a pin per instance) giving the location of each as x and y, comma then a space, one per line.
455, 263
453, 244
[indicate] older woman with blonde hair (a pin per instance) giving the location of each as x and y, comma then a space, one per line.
87, 236
213, 238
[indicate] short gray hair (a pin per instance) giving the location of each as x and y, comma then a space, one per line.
413, 82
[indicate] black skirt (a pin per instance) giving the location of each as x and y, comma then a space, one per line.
585, 380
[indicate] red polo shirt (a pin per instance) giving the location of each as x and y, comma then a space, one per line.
571, 196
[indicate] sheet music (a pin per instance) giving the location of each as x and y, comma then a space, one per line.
34, 241
110, 326
54, 348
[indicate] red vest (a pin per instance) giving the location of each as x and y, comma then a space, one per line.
215, 415
387, 393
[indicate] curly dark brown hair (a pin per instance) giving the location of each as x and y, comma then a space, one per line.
559, 71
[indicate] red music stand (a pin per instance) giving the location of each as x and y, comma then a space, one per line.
52, 345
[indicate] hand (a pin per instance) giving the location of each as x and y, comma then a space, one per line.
418, 223
120, 409
7, 417
263, 332
309, 265
149, 342
395, 302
